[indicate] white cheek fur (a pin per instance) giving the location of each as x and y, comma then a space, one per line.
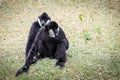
51, 33
39, 22
48, 21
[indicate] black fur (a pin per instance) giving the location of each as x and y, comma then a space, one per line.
49, 46
52, 47
34, 29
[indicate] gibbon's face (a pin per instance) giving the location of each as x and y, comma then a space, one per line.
43, 19
52, 28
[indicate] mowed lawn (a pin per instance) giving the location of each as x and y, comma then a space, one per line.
91, 26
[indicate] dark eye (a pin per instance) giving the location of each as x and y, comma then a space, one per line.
48, 28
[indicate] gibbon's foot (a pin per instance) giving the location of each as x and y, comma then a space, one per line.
22, 70
60, 64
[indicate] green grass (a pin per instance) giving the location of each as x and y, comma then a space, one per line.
92, 28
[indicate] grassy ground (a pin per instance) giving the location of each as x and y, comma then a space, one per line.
91, 26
